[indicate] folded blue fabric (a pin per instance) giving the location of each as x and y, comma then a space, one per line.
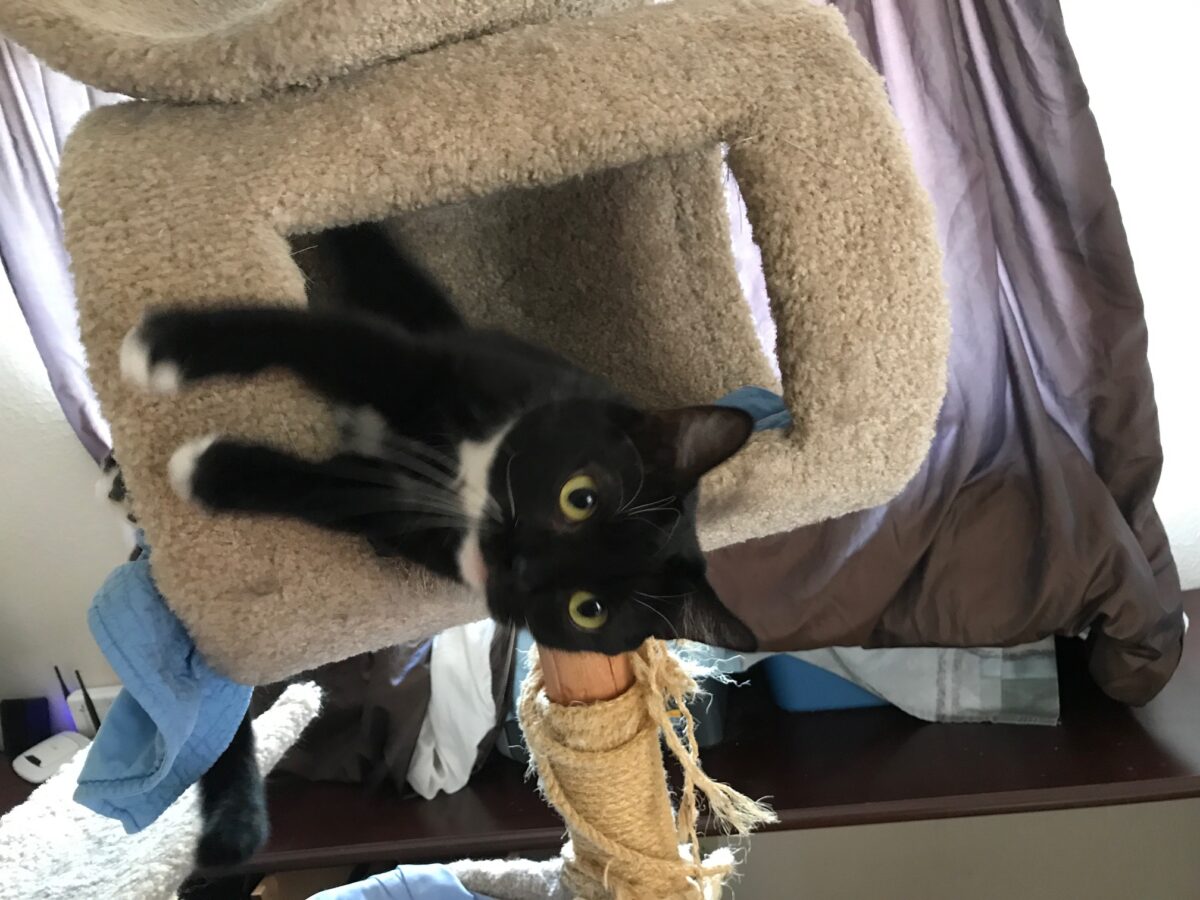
172, 719
767, 407
432, 882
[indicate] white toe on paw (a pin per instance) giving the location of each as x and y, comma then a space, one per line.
182, 467
159, 378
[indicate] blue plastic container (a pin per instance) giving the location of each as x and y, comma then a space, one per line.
798, 686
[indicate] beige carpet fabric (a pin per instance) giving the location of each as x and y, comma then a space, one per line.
563, 180
228, 50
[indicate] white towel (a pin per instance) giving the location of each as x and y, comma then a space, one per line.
461, 709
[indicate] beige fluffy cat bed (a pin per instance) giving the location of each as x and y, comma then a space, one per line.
562, 178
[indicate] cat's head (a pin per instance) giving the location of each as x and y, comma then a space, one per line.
597, 549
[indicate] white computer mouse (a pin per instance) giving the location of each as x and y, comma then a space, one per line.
42, 760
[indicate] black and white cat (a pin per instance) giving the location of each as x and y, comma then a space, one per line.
474, 453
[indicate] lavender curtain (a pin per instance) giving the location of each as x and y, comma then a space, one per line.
38, 108
1034, 513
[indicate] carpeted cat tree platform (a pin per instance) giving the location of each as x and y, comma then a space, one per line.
557, 165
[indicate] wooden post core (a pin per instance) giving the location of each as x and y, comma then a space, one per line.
584, 677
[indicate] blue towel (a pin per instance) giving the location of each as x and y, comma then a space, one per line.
172, 719
432, 882
767, 407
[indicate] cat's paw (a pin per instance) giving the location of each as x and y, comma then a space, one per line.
111, 489
146, 358
184, 463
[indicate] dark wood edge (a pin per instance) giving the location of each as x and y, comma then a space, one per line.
893, 812
972, 805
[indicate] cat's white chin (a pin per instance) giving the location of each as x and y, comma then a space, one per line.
181, 470
136, 368
471, 567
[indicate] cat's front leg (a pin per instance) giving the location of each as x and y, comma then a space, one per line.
350, 359
422, 520
224, 474
233, 807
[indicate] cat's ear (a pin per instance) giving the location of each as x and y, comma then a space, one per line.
702, 617
700, 438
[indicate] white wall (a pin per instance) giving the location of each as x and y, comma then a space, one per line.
1140, 67
57, 541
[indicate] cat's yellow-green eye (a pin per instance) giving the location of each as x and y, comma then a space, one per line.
587, 611
578, 498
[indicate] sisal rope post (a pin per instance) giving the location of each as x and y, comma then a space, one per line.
594, 726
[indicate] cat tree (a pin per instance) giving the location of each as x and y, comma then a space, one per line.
556, 164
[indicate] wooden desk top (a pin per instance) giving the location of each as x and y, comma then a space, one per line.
820, 769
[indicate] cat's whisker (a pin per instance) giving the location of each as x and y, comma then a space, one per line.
439, 467
411, 526
653, 511
449, 511
671, 533
452, 507
453, 487
512, 502
416, 464
489, 505
404, 492
666, 533
449, 502
664, 596
641, 484
402, 452
361, 474
674, 630
646, 513
401, 492
409, 486
427, 451
492, 509
344, 510
366, 509
663, 503
417, 488
653, 506
657, 528
428, 517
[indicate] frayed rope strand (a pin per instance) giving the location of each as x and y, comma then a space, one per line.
600, 766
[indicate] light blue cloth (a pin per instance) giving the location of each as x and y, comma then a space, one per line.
172, 719
767, 407
404, 883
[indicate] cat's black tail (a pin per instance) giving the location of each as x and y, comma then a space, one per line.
379, 279
233, 805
